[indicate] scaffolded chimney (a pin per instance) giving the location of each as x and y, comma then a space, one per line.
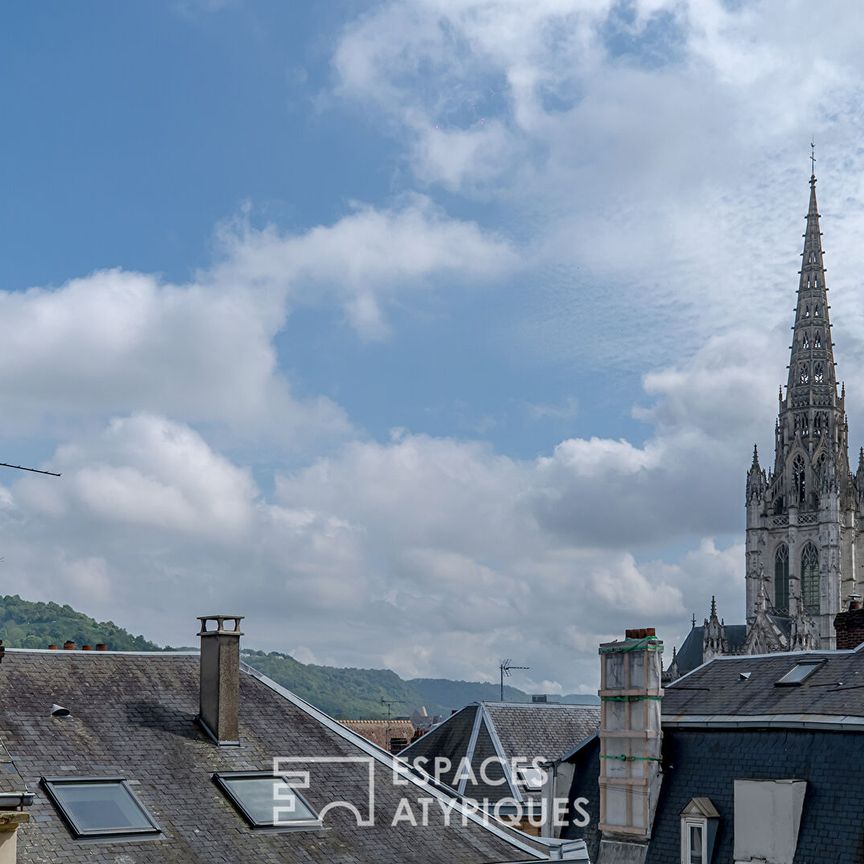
220, 678
630, 738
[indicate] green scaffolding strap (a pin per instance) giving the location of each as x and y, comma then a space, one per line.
629, 698
623, 758
649, 643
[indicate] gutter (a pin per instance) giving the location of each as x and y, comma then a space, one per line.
15, 800
764, 721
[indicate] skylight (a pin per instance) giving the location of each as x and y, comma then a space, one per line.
531, 777
99, 806
266, 801
799, 673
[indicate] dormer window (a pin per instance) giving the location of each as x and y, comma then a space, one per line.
699, 821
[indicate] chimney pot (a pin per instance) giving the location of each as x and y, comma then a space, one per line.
68, 645
52, 647
220, 677
849, 625
86, 647
101, 646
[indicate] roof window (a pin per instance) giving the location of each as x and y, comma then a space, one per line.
799, 673
266, 801
99, 806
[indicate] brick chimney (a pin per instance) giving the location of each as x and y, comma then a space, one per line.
220, 677
849, 625
630, 739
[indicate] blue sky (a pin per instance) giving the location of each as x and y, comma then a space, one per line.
426, 332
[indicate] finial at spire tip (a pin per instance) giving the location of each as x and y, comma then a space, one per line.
812, 161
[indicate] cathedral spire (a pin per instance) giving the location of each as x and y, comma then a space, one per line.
811, 367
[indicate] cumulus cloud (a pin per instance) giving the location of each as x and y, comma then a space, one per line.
368, 259
204, 352
638, 145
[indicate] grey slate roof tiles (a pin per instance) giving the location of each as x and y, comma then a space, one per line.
836, 688
525, 732
132, 716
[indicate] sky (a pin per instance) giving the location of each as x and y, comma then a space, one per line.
421, 333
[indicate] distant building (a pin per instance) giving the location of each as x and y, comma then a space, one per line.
805, 515
391, 735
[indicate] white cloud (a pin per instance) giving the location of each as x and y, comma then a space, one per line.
368, 260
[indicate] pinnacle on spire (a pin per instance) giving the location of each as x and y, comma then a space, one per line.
861, 459
755, 456
713, 606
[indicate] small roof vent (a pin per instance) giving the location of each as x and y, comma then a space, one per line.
59, 711
744, 676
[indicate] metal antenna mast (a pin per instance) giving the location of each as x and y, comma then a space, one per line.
32, 470
504, 668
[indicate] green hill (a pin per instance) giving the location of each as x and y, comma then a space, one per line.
344, 693
358, 693
24, 624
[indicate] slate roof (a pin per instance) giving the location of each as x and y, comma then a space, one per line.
835, 690
706, 762
505, 731
132, 716
690, 653
729, 720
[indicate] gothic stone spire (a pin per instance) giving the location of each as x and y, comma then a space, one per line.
812, 412
805, 520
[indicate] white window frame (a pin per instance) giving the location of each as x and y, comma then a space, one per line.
688, 822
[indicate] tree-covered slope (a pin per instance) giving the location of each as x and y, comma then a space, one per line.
343, 693
25, 624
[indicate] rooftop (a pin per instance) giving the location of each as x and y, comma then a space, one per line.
132, 717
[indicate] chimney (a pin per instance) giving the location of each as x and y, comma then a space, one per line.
630, 739
68, 645
101, 646
220, 677
849, 625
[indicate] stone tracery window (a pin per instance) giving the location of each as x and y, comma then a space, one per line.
818, 374
816, 312
781, 578
799, 479
817, 339
805, 342
807, 311
803, 374
810, 578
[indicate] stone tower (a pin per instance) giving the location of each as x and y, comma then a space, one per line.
804, 517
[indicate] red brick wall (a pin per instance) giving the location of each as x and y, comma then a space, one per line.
850, 628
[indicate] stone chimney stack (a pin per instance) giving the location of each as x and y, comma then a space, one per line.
849, 625
630, 739
220, 677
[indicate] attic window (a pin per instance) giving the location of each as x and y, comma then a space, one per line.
530, 776
799, 673
99, 806
265, 801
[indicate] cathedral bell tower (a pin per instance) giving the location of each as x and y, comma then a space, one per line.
804, 516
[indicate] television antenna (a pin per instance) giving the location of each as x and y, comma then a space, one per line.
31, 470
505, 667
